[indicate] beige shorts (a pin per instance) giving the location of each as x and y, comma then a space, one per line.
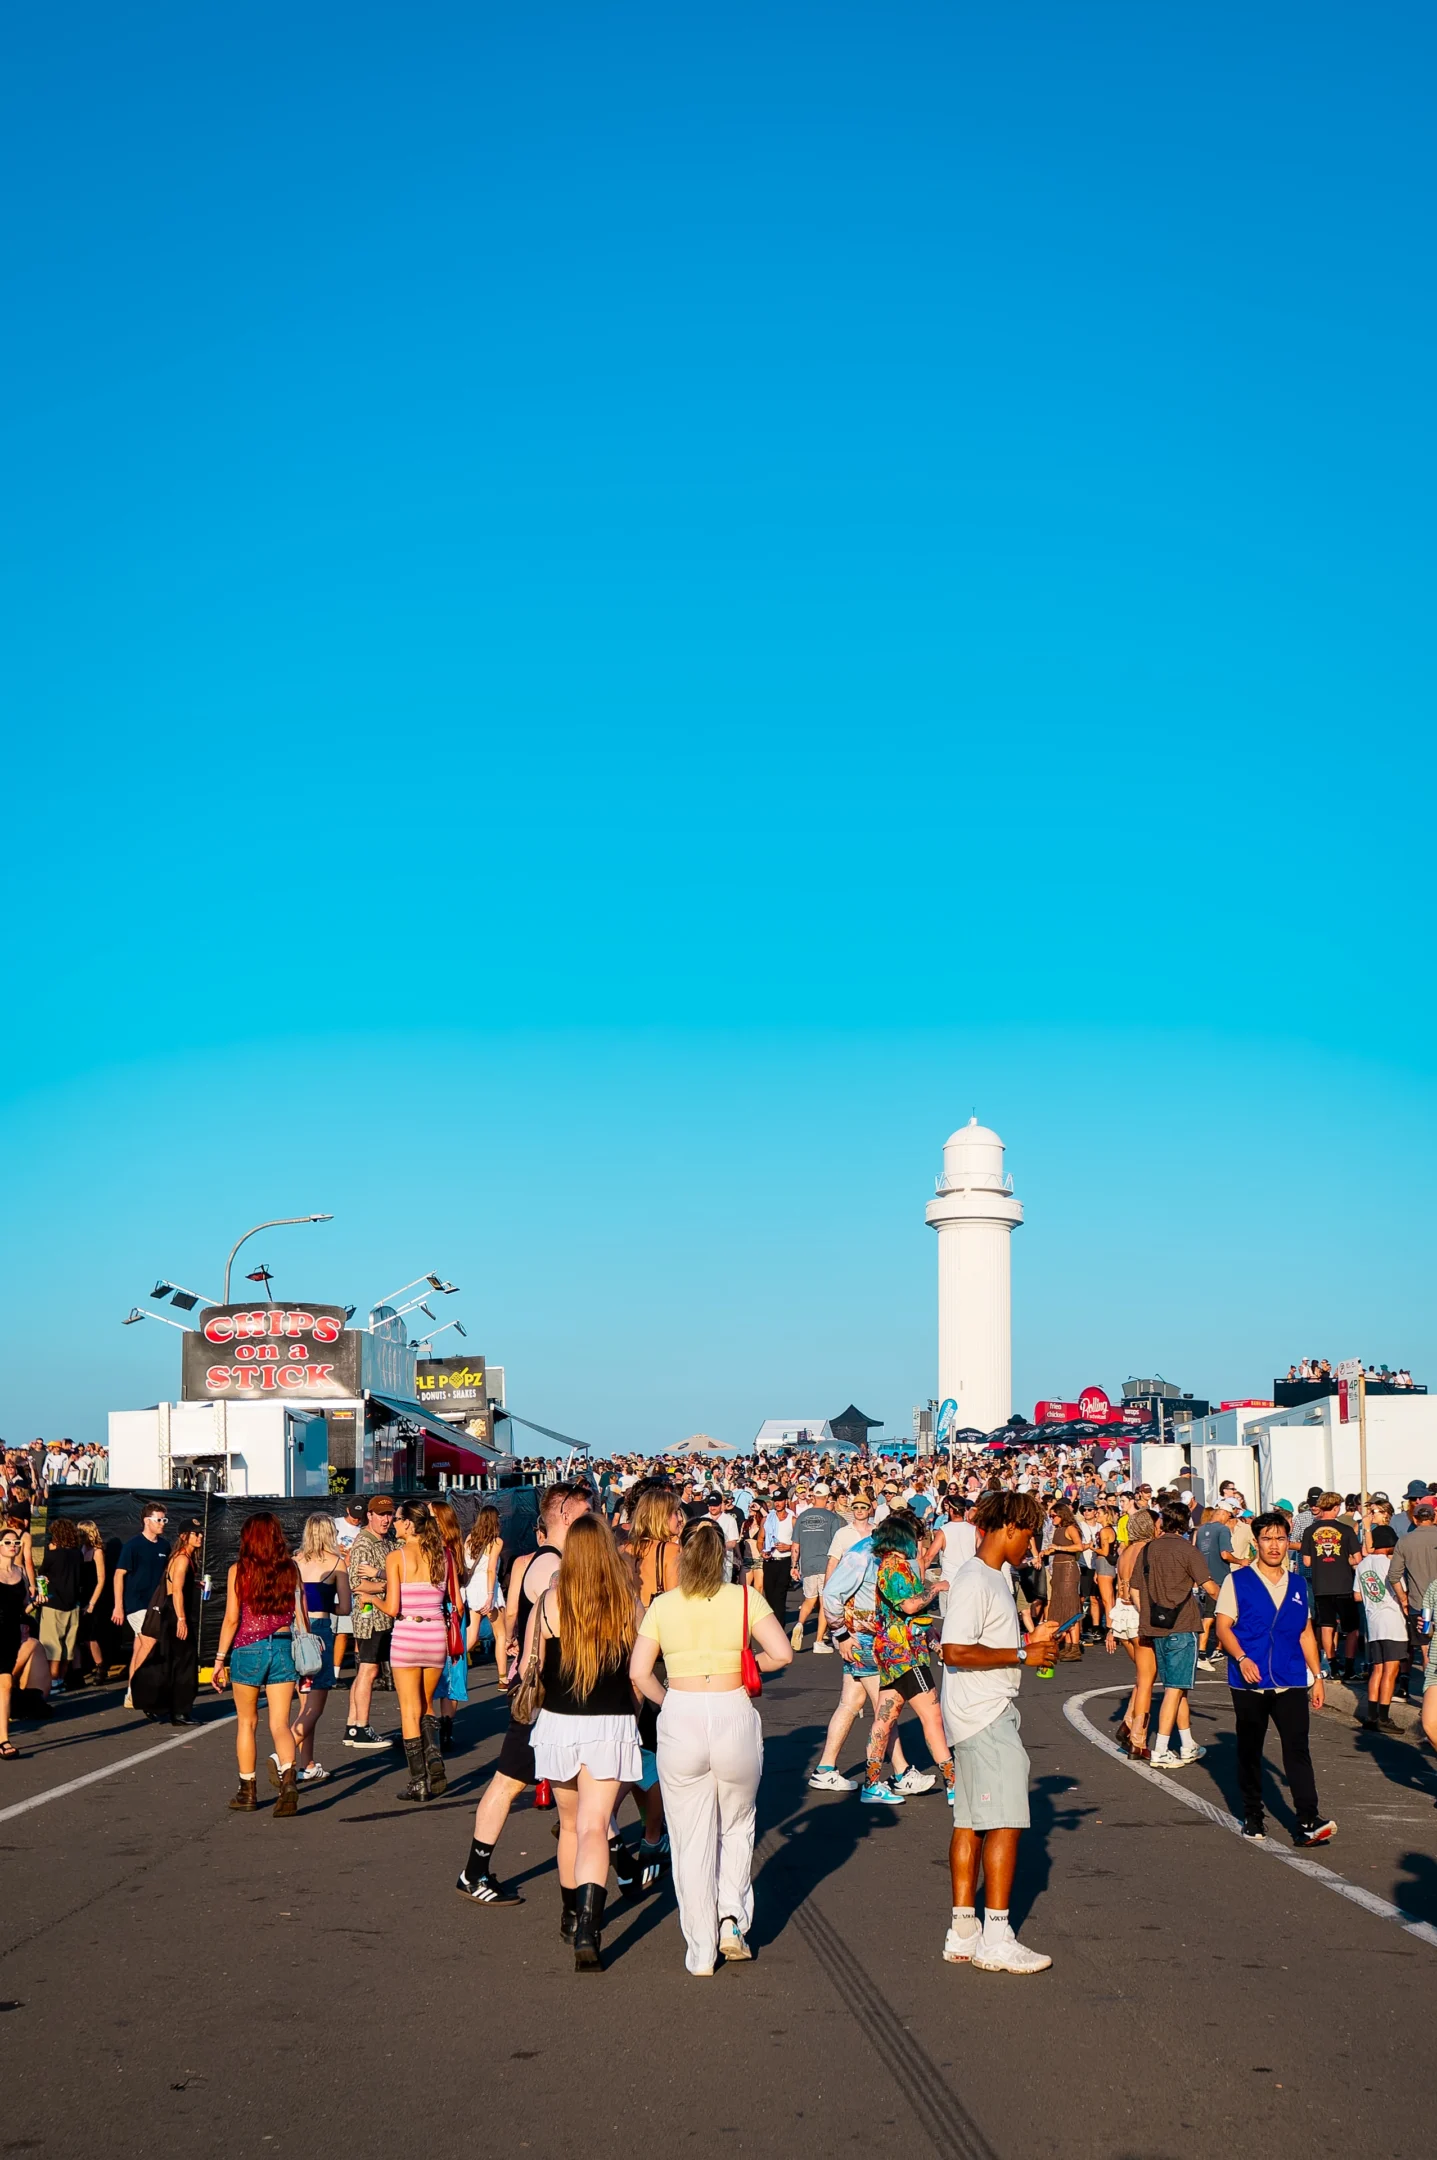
59, 1633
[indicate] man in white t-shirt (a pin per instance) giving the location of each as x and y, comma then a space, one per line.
984, 1652
1386, 1625
954, 1543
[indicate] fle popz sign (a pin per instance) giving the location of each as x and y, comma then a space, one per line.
245, 1350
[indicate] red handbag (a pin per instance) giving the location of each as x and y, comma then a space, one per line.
749, 1673
453, 1610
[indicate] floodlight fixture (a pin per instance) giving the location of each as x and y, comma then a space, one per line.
427, 1342
177, 1294
135, 1314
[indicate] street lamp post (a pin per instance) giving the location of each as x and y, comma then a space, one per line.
222, 1419
278, 1223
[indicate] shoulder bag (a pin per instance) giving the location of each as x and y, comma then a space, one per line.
527, 1699
306, 1648
748, 1670
454, 1608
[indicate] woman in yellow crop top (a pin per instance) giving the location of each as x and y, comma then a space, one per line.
710, 1739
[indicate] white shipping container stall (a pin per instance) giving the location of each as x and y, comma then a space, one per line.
270, 1449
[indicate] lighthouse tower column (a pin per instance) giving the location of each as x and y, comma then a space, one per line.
975, 1215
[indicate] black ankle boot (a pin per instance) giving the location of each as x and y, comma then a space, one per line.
589, 1913
569, 1919
433, 1758
418, 1786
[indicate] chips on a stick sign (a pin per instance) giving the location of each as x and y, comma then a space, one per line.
248, 1352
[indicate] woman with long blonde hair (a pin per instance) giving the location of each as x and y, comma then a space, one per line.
654, 1543
586, 1740
414, 1599
92, 1616
324, 1574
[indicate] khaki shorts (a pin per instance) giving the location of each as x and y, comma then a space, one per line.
990, 1778
59, 1633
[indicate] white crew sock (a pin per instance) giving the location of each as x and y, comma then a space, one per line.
995, 1925
1160, 1750
965, 1919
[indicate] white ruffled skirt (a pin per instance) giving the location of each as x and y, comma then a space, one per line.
607, 1747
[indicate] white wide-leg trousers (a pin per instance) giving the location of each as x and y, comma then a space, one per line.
710, 1761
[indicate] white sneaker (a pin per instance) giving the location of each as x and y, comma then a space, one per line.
1008, 1955
914, 1781
961, 1949
731, 1943
823, 1649
1187, 1755
832, 1781
316, 1774
129, 1700
796, 1638
1160, 1756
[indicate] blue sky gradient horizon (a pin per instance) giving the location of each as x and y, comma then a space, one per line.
720, 589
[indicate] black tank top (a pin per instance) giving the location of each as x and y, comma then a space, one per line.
612, 1695
526, 1603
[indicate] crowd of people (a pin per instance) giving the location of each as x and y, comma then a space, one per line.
27, 1474
1323, 1369
632, 1634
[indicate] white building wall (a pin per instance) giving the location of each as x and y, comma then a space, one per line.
975, 1322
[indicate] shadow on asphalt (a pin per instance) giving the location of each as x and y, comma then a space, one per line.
1415, 1889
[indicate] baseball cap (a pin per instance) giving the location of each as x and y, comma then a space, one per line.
1230, 1504
821, 1488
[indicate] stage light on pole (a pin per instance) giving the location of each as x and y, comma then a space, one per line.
177, 1294
164, 1319
435, 1282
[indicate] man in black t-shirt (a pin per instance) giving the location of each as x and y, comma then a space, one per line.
1330, 1550
138, 1575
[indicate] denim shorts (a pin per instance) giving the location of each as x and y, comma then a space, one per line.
1177, 1658
271, 1659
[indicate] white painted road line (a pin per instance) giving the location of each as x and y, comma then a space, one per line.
1328, 1877
93, 1777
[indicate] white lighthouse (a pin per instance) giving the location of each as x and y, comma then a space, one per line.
975, 1215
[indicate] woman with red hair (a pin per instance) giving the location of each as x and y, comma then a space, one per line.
261, 1606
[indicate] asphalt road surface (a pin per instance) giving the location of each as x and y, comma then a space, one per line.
180, 1980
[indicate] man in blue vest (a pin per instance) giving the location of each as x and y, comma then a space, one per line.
1264, 1623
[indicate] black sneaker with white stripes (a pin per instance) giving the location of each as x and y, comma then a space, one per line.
486, 1889
480, 1884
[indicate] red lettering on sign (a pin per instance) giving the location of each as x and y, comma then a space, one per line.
250, 1351
217, 1376
327, 1328
292, 1376
219, 1329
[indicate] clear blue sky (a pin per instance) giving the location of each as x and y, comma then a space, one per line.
611, 616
